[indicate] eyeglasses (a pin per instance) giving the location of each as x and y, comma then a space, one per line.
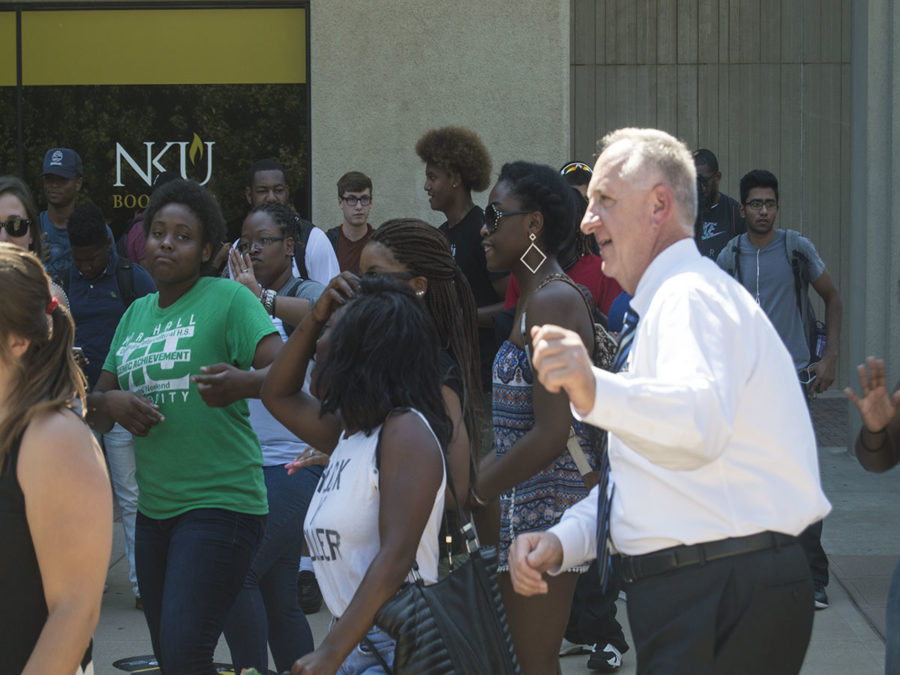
757, 204
246, 245
492, 217
350, 200
17, 227
575, 166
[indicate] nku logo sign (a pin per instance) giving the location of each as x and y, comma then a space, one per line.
189, 155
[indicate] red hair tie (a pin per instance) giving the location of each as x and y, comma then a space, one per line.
52, 305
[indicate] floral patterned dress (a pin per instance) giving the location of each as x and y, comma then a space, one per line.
539, 502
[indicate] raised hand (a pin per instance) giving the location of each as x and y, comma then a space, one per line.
242, 270
876, 406
340, 290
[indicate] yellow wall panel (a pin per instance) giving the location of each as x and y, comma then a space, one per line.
172, 46
7, 49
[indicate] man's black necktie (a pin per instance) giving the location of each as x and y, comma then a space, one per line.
604, 501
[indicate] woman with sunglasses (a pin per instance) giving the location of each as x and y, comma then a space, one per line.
177, 376
266, 611
528, 219
19, 224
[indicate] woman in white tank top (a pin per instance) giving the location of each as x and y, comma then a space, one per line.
381, 417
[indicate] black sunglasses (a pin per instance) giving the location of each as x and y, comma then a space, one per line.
17, 227
492, 217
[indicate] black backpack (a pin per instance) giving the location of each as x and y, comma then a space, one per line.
124, 278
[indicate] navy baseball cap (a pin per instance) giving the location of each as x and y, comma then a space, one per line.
63, 162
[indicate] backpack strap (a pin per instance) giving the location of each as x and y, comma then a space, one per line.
799, 263
125, 279
731, 261
333, 236
290, 289
304, 228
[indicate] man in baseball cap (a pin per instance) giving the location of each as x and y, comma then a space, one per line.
62, 178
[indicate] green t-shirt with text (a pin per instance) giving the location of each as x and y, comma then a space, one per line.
199, 457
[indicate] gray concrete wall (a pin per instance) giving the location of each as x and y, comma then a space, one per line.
874, 294
762, 83
383, 73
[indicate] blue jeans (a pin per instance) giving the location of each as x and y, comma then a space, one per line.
361, 661
266, 609
119, 445
892, 628
190, 569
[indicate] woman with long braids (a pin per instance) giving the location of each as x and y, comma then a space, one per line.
55, 497
527, 220
413, 251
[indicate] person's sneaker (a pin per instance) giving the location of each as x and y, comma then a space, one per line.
308, 594
567, 648
606, 659
820, 597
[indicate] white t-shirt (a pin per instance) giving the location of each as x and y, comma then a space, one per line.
321, 260
341, 526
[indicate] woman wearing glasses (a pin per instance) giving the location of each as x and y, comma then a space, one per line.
176, 377
526, 222
266, 610
19, 224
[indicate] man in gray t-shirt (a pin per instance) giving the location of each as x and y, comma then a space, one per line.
766, 272
763, 266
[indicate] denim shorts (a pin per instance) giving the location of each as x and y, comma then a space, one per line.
361, 661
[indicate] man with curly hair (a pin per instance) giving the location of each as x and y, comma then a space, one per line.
456, 162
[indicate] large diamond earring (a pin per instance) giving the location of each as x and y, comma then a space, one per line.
537, 251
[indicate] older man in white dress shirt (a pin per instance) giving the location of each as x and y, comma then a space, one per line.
712, 453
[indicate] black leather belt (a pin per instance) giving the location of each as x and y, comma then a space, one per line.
668, 559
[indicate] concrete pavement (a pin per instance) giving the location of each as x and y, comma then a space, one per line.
861, 537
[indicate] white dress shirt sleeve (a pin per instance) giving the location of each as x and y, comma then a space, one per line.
577, 532
321, 261
679, 414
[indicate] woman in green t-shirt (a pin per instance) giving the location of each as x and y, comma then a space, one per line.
177, 376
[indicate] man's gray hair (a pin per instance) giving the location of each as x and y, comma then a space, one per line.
660, 155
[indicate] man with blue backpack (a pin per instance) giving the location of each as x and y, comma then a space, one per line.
777, 267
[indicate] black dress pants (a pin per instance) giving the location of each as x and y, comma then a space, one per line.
592, 618
743, 615
811, 541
